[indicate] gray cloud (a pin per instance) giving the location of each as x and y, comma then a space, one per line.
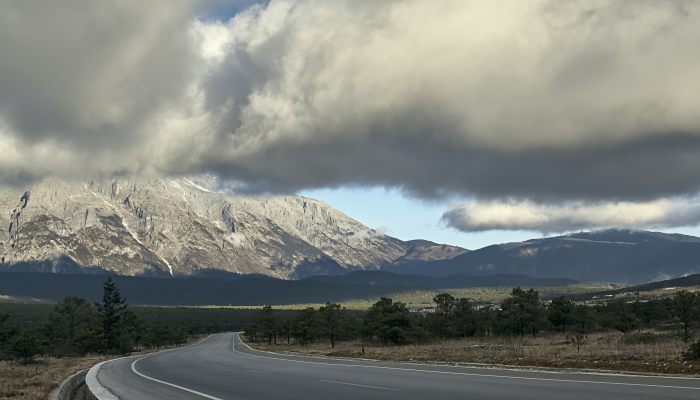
87, 72
477, 216
549, 101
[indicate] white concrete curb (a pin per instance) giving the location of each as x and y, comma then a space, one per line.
94, 385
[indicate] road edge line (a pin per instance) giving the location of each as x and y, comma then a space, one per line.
102, 393
233, 348
495, 367
142, 375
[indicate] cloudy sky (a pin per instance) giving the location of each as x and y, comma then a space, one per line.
490, 118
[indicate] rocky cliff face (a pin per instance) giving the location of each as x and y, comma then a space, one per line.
179, 227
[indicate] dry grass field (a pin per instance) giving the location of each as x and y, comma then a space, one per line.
650, 352
35, 381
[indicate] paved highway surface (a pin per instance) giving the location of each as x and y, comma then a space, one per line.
223, 367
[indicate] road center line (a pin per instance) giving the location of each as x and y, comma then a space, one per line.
357, 384
429, 371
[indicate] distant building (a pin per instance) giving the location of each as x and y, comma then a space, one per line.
423, 310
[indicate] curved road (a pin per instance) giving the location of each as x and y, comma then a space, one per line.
223, 367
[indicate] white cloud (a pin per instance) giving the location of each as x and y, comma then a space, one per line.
478, 216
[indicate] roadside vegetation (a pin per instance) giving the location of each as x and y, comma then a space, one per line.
41, 345
424, 298
657, 335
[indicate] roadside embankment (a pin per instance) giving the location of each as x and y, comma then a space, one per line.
73, 388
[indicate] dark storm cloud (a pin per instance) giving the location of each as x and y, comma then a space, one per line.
87, 72
543, 101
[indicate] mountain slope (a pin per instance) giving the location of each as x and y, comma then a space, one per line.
425, 250
612, 255
179, 227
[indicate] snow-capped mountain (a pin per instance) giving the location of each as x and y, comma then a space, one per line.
182, 227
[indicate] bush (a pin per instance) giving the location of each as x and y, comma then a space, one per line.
693, 352
24, 347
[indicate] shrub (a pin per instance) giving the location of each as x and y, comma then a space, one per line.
693, 352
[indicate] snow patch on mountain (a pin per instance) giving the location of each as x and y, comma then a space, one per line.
182, 226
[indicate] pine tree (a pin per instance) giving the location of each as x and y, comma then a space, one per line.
115, 318
686, 307
332, 317
267, 324
523, 311
560, 313
72, 327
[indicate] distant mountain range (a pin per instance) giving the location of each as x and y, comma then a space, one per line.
625, 256
184, 227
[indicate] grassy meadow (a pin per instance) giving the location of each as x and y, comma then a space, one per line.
644, 351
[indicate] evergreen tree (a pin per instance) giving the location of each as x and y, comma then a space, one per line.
444, 303
72, 327
24, 346
7, 331
693, 352
523, 311
582, 318
560, 313
622, 317
267, 324
686, 307
441, 321
306, 325
332, 318
388, 320
287, 330
651, 312
116, 320
464, 318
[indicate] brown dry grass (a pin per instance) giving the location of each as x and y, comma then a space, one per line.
650, 352
35, 381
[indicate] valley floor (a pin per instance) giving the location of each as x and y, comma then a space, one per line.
642, 352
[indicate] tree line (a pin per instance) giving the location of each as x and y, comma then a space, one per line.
389, 322
77, 327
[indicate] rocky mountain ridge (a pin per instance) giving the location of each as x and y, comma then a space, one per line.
181, 227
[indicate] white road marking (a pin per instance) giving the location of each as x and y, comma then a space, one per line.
102, 393
357, 384
133, 368
454, 373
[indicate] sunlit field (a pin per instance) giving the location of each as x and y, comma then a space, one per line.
424, 298
643, 351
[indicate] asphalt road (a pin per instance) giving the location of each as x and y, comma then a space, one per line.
222, 367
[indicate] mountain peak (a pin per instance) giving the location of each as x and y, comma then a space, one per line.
182, 226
